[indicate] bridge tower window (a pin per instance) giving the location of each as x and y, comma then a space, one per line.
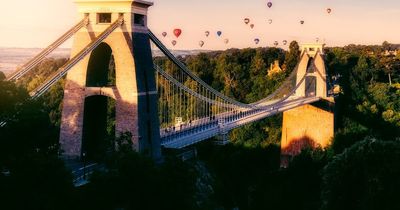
104, 18
139, 19
98, 127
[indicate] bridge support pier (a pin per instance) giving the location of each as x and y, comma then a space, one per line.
308, 126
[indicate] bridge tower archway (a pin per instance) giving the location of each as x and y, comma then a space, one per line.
134, 86
101, 67
98, 127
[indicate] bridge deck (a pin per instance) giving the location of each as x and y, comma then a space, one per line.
210, 128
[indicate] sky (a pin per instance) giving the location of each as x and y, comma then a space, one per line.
37, 23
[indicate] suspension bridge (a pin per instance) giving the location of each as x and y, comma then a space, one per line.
161, 109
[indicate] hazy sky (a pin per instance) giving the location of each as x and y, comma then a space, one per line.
36, 23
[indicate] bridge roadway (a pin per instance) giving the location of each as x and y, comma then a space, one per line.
208, 128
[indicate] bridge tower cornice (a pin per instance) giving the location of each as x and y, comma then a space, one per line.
134, 13
312, 49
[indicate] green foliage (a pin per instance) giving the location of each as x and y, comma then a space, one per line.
36, 181
350, 133
250, 178
2, 76
11, 99
293, 56
239, 171
133, 181
364, 177
259, 134
369, 105
36, 177
52, 100
297, 187
40, 73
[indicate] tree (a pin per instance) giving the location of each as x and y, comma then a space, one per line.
364, 177
2, 76
292, 57
203, 66
386, 46
133, 181
36, 178
391, 66
258, 65
11, 99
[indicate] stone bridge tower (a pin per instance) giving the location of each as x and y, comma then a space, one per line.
310, 125
118, 72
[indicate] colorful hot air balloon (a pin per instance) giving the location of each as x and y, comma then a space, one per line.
251, 25
226, 41
257, 40
207, 33
270, 21
284, 42
219, 33
164, 34
329, 10
269, 4
174, 42
201, 43
276, 43
301, 22
177, 32
247, 21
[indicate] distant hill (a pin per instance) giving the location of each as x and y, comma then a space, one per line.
11, 58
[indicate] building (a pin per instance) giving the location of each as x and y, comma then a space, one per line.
274, 68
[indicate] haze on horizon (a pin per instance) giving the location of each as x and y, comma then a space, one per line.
38, 23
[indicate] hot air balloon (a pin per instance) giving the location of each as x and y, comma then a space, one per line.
284, 42
174, 42
317, 39
269, 4
256, 40
219, 33
329, 10
276, 43
177, 32
201, 43
164, 34
226, 41
207, 33
247, 21
251, 25
270, 21
302, 22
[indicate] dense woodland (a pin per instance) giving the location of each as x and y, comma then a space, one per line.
359, 170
